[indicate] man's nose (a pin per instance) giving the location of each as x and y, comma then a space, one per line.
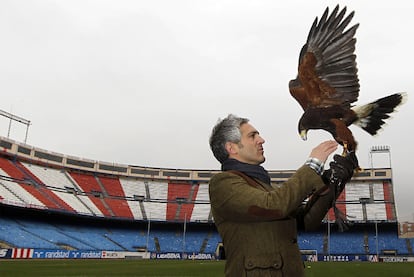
261, 140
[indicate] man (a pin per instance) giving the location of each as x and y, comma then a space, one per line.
257, 222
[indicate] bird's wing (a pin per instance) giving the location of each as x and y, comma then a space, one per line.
327, 72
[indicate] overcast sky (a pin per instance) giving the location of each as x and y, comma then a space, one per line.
143, 82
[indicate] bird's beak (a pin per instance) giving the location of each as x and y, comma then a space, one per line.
303, 134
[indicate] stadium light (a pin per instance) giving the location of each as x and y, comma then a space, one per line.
365, 200
139, 198
19, 119
380, 148
181, 200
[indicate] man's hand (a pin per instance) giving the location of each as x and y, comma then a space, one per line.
323, 150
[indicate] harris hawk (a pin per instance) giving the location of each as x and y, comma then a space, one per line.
327, 83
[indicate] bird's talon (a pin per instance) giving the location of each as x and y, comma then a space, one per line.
345, 149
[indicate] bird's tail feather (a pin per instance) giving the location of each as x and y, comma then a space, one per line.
371, 116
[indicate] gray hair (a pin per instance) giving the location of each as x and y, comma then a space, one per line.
226, 130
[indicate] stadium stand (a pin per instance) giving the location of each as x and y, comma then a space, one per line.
20, 229
53, 201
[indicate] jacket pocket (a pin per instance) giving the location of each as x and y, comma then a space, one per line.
263, 265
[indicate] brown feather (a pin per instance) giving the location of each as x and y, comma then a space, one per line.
327, 63
327, 82
343, 135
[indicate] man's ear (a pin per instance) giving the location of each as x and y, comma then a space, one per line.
231, 148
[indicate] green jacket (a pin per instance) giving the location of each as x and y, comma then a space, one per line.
258, 225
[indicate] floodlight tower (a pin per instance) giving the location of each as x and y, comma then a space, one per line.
16, 118
380, 149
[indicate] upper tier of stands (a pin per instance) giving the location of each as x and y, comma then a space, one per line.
85, 193
37, 178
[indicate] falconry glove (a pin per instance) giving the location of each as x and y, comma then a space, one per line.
342, 168
341, 171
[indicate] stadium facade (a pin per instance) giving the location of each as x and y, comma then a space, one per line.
163, 212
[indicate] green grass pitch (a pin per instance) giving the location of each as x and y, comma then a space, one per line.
184, 268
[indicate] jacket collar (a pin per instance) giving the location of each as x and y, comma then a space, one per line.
254, 171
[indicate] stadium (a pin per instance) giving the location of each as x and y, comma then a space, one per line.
142, 82
55, 206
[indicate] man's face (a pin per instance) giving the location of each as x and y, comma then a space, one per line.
250, 149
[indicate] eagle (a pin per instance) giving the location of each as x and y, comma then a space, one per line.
327, 83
